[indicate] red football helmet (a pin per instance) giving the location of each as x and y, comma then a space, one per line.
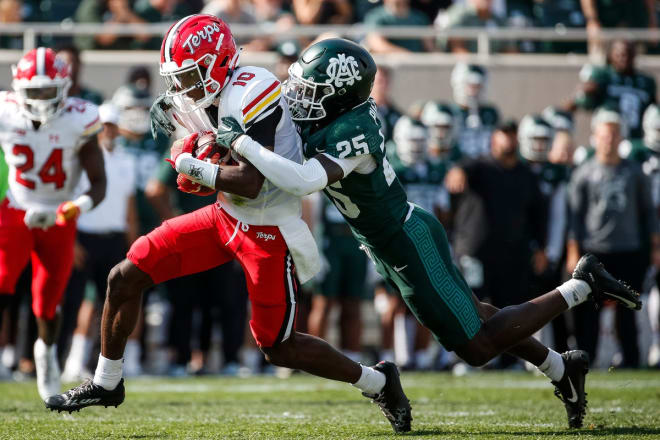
197, 58
41, 82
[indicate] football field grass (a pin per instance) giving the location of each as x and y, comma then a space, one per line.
622, 405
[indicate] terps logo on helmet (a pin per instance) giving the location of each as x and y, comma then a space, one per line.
194, 40
342, 70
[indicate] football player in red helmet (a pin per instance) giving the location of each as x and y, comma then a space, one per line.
47, 139
253, 222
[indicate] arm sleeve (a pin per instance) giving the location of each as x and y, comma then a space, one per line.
286, 174
348, 164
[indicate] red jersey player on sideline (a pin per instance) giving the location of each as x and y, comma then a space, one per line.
253, 222
47, 139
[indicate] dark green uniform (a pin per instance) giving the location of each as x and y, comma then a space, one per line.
408, 246
475, 129
343, 254
147, 155
423, 183
630, 95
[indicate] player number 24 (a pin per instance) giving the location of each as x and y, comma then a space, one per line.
50, 172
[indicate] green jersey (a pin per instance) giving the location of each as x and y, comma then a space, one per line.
475, 128
373, 204
423, 183
629, 94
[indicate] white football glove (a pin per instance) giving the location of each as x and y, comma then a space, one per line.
39, 218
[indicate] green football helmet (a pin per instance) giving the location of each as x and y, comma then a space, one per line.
330, 78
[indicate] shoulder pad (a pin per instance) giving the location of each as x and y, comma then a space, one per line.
355, 133
85, 116
252, 94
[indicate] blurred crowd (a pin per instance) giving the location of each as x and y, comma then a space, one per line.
280, 15
520, 202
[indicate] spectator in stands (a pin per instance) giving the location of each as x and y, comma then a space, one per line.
470, 13
231, 12
10, 12
618, 85
396, 13
475, 119
219, 294
71, 55
515, 215
387, 111
104, 235
140, 78
161, 11
271, 14
322, 11
559, 15
617, 14
110, 13
612, 216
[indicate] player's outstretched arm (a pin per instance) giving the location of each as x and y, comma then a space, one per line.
91, 159
298, 179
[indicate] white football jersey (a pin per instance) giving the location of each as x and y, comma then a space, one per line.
252, 94
44, 167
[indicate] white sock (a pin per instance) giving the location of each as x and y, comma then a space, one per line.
78, 354
574, 292
108, 372
553, 366
371, 381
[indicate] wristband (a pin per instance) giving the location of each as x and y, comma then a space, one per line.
84, 203
197, 170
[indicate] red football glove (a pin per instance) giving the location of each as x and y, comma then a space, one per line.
180, 146
188, 186
66, 212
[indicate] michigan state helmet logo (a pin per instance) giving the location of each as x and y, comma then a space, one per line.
343, 69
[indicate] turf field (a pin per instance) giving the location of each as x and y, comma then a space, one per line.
622, 405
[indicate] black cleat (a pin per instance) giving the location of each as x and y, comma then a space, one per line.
603, 284
392, 401
84, 395
570, 389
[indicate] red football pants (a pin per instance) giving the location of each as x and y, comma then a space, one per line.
51, 251
209, 237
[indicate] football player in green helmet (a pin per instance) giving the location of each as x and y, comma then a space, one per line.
328, 95
651, 124
474, 119
441, 123
534, 138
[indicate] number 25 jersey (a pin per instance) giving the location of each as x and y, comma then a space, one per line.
44, 167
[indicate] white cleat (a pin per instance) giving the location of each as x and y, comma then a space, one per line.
48, 370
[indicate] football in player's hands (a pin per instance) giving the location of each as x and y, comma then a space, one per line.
207, 149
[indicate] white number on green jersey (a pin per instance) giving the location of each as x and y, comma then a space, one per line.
342, 201
345, 148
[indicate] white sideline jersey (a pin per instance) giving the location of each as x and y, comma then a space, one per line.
44, 168
251, 95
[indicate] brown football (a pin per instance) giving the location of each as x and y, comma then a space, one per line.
208, 149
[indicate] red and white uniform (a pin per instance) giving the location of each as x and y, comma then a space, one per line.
44, 170
266, 234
